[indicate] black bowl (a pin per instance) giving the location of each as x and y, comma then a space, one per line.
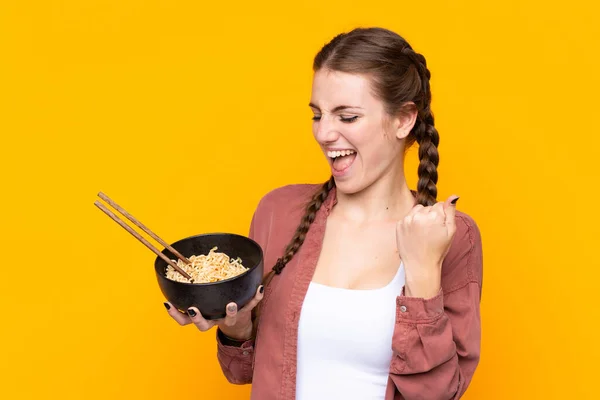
212, 298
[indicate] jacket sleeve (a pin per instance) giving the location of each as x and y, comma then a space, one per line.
237, 361
436, 341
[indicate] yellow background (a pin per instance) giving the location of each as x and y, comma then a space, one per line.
187, 112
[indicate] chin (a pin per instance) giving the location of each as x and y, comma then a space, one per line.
349, 186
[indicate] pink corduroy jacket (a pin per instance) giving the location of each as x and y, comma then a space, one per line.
436, 342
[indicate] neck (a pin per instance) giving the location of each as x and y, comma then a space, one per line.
389, 198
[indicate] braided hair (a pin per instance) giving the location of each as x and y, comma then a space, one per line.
309, 216
425, 133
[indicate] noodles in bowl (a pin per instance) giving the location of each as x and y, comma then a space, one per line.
213, 267
224, 267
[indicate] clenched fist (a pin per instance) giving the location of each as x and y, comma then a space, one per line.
423, 238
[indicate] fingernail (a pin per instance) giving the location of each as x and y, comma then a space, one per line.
455, 200
231, 308
167, 306
191, 312
262, 289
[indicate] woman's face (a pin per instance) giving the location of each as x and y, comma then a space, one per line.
361, 141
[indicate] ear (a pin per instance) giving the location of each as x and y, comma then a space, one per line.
405, 120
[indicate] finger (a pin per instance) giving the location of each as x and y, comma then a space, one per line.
231, 314
181, 318
199, 320
408, 218
439, 207
415, 210
450, 212
255, 300
437, 212
434, 213
405, 222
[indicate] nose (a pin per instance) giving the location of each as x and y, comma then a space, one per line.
325, 130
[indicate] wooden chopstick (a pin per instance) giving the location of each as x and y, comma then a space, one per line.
142, 227
141, 239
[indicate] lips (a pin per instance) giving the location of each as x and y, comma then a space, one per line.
342, 160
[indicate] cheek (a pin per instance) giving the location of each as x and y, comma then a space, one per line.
364, 133
378, 149
387, 132
373, 140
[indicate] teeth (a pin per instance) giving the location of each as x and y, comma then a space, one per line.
334, 154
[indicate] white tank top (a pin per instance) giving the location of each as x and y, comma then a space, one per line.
345, 341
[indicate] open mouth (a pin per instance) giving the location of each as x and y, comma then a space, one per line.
341, 160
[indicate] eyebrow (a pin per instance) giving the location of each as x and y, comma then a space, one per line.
336, 109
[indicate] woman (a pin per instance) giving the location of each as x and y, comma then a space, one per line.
375, 288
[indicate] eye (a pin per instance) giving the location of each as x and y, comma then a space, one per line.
316, 118
348, 120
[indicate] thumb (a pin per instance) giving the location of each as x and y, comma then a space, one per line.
450, 212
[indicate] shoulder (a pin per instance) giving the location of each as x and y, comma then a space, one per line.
464, 262
286, 199
277, 216
283, 206
467, 229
